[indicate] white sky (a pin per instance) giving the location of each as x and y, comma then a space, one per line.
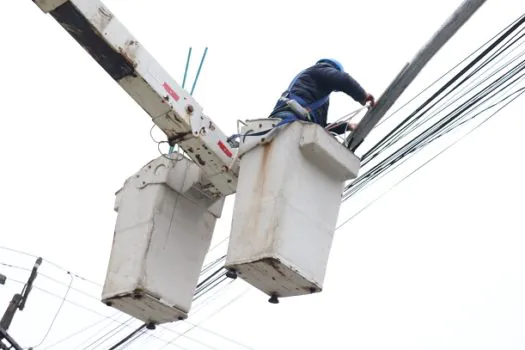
437, 263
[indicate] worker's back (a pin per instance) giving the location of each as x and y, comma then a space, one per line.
316, 83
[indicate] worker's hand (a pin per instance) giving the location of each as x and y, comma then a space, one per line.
370, 99
352, 126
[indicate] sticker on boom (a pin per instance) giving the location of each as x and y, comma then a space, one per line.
171, 92
225, 149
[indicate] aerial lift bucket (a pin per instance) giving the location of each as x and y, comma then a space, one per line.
286, 206
163, 231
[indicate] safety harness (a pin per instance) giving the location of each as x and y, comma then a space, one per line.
299, 106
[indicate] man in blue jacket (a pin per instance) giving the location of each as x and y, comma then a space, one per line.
307, 96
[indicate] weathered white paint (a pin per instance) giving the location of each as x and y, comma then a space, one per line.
286, 206
163, 232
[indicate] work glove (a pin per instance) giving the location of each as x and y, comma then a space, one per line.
371, 99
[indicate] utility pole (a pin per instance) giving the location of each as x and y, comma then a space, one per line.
17, 303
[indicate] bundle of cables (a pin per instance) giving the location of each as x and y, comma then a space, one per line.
491, 76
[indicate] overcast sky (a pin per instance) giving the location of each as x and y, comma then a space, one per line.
437, 263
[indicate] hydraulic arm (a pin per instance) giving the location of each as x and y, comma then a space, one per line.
170, 107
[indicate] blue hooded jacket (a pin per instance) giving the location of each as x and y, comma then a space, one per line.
317, 82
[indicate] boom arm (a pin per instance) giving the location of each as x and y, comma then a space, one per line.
171, 108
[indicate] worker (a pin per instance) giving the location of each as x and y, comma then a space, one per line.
307, 96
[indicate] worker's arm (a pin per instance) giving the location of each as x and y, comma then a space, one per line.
335, 80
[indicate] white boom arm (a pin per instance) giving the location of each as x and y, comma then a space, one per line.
171, 108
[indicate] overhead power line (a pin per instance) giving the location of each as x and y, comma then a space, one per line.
128, 337
499, 77
427, 161
212, 277
488, 83
490, 80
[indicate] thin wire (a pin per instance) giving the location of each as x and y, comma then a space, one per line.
16, 267
450, 101
57, 312
448, 72
420, 139
203, 289
364, 179
179, 157
153, 137
106, 336
165, 328
508, 44
212, 285
209, 266
53, 264
127, 338
348, 116
183, 334
180, 153
471, 104
345, 119
145, 338
40, 274
200, 289
456, 77
90, 310
193, 326
207, 279
220, 243
198, 326
72, 335
518, 92
425, 163
455, 123
199, 306
135, 338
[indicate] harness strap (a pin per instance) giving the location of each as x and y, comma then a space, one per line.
311, 108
